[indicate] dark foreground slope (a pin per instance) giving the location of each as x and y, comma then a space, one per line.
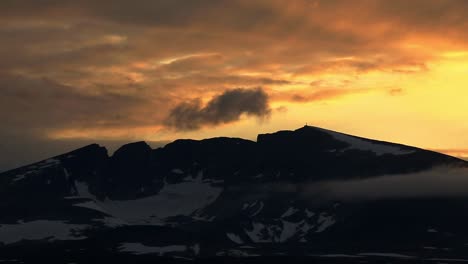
230, 199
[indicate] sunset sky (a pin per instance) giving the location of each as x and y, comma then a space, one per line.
77, 72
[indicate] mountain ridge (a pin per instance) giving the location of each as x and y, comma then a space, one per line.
227, 197
259, 138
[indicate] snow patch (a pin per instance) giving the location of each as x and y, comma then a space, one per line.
111, 221
305, 227
48, 163
236, 253
140, 249
258, 176
261, 233
256, 203
182, 198
324, 222
309, 213
366, 145
39, 230
255, 234
19, 177
259, 209
34, 169
280, 232
67, 175
289, 212
177, 171
203, 218
91, 205
83, 190
289, 230
196, 249
235, 238
430, 248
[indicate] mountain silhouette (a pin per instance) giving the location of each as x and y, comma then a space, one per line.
229, 198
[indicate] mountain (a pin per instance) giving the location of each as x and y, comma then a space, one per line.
230, 198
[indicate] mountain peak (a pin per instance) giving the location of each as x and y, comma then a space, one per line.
132, 149
88, 149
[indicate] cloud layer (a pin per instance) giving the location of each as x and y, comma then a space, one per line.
439, 182
166, 53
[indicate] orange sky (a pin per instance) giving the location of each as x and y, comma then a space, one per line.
159, 70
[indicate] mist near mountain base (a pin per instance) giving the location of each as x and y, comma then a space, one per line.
437, 182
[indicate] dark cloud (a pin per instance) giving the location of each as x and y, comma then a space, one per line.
163, 13
279, 34
52, 38
224, 108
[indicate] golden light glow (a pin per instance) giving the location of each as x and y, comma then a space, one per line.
389, 70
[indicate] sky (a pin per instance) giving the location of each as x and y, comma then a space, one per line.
111, 72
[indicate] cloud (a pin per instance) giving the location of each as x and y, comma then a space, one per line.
323, 95
40, 104
227, 79
439, 182
396, 63
306, 96
37, 110
396, 91
225, 108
